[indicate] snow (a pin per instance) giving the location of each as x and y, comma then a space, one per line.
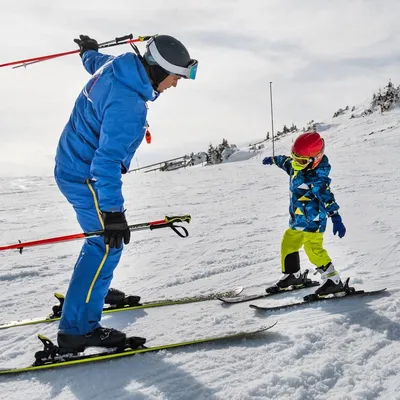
347, 350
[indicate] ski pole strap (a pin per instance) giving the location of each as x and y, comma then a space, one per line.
173, 227
169, 222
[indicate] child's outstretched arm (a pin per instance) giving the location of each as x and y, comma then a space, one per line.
283, 162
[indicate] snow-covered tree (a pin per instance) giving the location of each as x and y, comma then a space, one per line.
386, 98
212, 156
220, 153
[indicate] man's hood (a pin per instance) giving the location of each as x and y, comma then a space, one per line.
129, 70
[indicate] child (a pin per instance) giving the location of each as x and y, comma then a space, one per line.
311, 203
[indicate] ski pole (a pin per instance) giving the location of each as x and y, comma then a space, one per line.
167, 222
127, 39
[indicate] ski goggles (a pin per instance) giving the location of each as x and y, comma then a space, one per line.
188, 72
300, 160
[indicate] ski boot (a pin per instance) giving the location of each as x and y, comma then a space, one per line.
114, 297
52, 353
331, 282
287, 280
290, 281
99, 337
117, 299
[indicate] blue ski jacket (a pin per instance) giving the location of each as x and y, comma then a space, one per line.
311, 200
107, 124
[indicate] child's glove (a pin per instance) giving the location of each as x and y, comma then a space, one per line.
268, 160
338, 227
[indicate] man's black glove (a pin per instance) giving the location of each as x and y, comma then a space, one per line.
115, 228
86, 43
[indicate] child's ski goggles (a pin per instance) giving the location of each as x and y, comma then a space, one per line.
301, 160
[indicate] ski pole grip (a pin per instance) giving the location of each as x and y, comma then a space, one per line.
184, 218
145, 38
159, 226
126, 37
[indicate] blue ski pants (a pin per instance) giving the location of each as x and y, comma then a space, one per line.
93, 271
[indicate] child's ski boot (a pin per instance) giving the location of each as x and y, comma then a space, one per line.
331, 282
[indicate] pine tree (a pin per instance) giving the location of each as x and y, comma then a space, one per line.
210, 154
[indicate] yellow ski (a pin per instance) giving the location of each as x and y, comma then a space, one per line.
63, 361
150, 304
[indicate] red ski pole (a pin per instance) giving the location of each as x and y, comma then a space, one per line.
115, 42
167, 222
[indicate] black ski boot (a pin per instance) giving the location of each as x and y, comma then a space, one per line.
292, 281
117, 299
100, 337
52, 353
292, 276
331, 282
114, 297
287, 280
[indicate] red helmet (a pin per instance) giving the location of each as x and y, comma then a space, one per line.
308, 148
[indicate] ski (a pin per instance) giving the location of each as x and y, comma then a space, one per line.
127, 307
55, 360
313, 298
270, 291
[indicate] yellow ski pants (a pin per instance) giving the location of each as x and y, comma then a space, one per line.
293, 241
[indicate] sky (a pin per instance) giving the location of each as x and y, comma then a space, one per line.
320, 55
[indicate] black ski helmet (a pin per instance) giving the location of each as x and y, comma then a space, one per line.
166, 55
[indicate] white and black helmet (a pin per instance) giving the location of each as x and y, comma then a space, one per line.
165, 56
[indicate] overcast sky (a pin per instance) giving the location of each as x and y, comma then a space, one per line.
319, 54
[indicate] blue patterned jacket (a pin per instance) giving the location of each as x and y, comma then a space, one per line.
311, 199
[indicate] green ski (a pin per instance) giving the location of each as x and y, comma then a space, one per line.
54, 360
150, 304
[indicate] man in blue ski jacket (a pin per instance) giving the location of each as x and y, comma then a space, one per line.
106, 126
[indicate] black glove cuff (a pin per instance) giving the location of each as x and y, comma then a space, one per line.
114, 221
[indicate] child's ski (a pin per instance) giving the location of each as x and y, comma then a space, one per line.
270, 291
312, 298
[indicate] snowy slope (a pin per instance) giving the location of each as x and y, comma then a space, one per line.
346, 350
